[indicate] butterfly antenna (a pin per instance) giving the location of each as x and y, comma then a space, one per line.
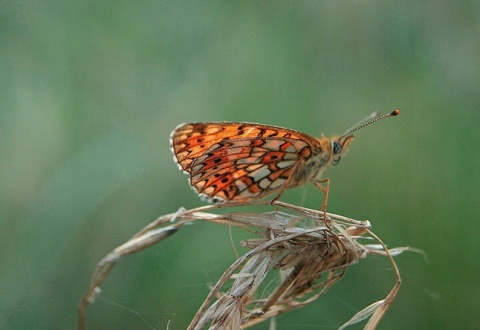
373, 115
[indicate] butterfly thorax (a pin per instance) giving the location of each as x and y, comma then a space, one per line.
314, 165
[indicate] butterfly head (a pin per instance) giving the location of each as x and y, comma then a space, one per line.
339, 147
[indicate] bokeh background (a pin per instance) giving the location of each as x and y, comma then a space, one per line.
91, 90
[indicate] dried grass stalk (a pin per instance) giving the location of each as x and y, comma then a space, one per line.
308, 252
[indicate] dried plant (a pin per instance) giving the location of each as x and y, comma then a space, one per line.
308, 252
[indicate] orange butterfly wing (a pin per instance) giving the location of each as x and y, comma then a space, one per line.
240, 161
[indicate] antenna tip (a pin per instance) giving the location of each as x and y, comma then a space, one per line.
395, 112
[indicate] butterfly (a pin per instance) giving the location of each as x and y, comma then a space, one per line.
233, 161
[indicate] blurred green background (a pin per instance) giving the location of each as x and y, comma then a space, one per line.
91, 90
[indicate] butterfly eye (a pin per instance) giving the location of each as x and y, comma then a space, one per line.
336, 147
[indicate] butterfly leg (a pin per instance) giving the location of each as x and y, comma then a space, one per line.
326, 191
